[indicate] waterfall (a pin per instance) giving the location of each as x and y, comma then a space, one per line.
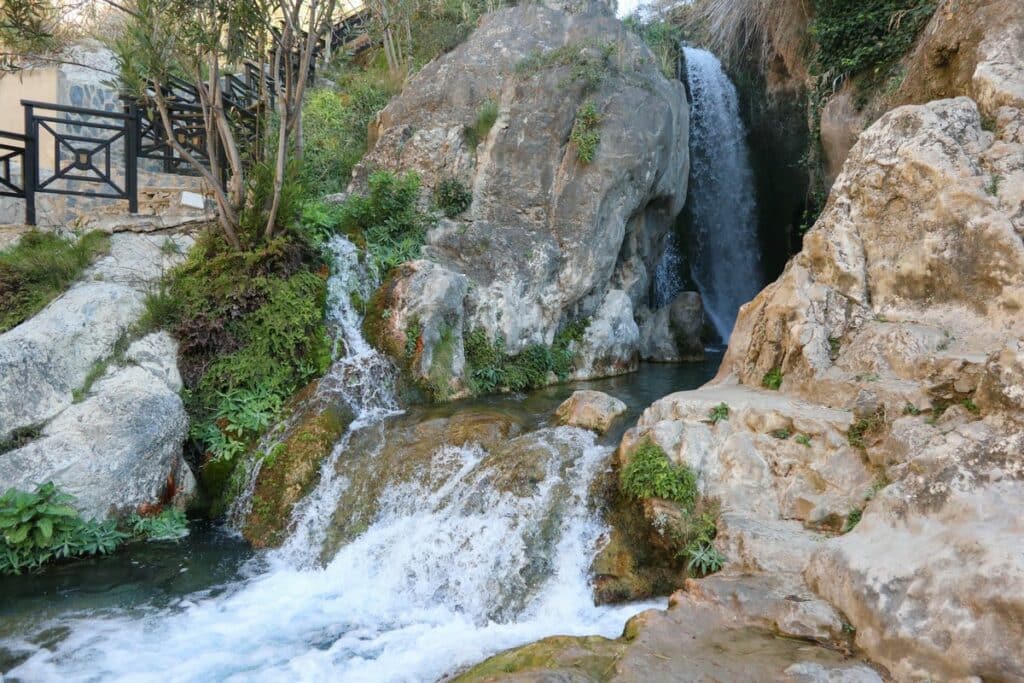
462, 560
668, 280
725, 260
361, 378
467, 553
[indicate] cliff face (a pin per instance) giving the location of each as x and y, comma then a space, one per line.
549, 237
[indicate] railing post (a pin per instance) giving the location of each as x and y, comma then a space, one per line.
29, 170
131, 168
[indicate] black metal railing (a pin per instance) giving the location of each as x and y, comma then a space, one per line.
95, 152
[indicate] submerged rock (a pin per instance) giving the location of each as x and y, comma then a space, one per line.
593, 410
549, 239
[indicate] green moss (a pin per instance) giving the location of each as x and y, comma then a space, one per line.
593, 658
650, 474
852, 519
437, 383
39, 268
289, 471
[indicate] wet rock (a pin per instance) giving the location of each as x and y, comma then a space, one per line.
609, 345
289, 469
673, 333
594, 410
693, 640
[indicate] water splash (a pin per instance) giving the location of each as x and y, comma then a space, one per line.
725, 262
461, 562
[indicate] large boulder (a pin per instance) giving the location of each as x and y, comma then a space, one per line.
46, 359
673, 333
120, 448
548, 238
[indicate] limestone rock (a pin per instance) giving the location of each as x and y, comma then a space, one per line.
594, 410
117, 449
46, 358
609, 345
933, 576
547, 238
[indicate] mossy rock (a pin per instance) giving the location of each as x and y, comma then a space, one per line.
579, 660
635, 563
290, 470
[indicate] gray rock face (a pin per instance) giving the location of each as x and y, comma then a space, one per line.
547, 237
673, 333
121, 446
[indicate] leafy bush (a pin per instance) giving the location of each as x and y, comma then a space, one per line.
387, 220
781, 434
491, 369
865, 36
650, 474
486, 115
250, 331
772, 379
169, 525
803, 440
335, 126
39, 268
718, 413
452, 197
585, 134
41, 526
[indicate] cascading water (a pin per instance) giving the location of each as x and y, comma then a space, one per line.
725, 257
466, 555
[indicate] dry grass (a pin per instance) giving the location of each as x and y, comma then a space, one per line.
735, 27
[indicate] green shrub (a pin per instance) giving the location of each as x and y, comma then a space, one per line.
662, 37
387, 219
169, 525
865, 36
650, 474
250, 330
452, 197
781, 434
772, 379
334, 125
718, 413
869, 424
803, 440
39, 268
41, 526
486, 115
704, 558
585, 134
491, 369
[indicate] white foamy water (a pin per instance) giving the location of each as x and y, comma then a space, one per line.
726, 264
441, 580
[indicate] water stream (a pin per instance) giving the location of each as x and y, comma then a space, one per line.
721, 204
464, 551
